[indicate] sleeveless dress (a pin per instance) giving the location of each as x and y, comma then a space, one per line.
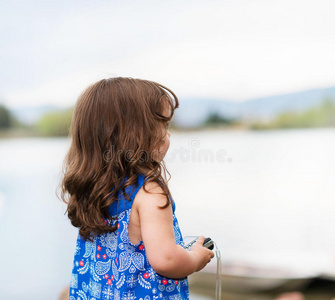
112, 268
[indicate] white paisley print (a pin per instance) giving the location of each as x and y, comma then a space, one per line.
112, 268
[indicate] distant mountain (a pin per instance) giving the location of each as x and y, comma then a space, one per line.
192, 112
268, 107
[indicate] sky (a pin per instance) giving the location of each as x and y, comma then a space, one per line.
232, 49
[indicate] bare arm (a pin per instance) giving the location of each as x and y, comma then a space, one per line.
165, 256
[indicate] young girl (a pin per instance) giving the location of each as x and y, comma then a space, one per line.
129, 244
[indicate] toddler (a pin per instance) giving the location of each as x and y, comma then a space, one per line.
129, 244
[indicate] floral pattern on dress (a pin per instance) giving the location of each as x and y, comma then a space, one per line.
112, 268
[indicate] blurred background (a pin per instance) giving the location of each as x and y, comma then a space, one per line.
252, 145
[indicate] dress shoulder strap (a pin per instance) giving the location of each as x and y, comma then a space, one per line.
122, 204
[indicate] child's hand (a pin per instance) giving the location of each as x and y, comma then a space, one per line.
201, 253
167, 258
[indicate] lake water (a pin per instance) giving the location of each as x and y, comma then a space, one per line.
266, 198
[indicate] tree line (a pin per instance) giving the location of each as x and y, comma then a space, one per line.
322, 115
57, 123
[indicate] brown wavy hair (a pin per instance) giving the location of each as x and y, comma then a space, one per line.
117, 126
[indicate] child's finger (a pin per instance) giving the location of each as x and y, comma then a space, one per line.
201, 240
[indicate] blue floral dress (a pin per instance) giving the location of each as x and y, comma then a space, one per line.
112, 268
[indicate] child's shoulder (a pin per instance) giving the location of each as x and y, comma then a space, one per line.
152, 187
152, 194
